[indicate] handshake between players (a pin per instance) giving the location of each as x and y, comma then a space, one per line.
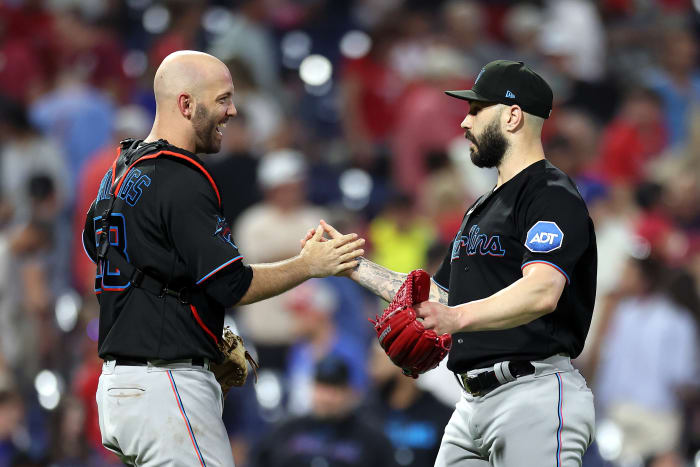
327, 257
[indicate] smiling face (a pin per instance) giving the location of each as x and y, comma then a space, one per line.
482, 129
214, 108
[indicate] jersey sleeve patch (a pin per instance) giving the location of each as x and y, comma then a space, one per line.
222, 231
544, 237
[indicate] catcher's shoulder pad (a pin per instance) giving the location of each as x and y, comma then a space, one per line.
132, 151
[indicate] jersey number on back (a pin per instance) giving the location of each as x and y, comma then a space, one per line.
108, 277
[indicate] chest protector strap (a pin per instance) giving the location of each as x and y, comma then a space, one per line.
130, 154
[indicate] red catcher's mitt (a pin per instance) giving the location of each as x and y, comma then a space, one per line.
404, 339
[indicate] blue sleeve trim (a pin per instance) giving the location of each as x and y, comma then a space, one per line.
436, 283
82, 242
231, 261
568, 281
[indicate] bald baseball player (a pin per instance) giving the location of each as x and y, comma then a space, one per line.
515, 290
167, 267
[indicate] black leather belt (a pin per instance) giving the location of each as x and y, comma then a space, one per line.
135, 361
502, 373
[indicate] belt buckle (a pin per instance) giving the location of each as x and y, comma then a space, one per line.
467, 387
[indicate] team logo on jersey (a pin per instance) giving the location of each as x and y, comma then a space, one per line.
477, 242
543, 237
223, 231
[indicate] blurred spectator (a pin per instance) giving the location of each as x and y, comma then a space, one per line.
444, 196
246, 38
90, 51
33, 245
28, 53
681, 196
235, 169
566, 22
465, 30
677, 81
84, 385
333, 435
399, 237
78, 117
648, 334
656, 225
271, 231
12, 431
314, 303
370, 91
21, 75
573, 148
413, 419
425, 120
261, 110
10, 348
182, 31
633, 138
244, 422
522, 25
71, 448
579, 66
24, 154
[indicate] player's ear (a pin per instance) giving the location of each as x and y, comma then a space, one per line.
513, 118
185, 103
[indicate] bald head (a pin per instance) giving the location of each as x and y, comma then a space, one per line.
187, 71
194, 99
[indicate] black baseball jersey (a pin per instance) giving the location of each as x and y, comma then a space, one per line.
538, 216
166, 220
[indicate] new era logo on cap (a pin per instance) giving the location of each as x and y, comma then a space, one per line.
510, 94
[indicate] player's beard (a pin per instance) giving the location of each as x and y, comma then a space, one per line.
206, 138
491, 146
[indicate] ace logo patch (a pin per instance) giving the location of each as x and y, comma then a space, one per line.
543, 237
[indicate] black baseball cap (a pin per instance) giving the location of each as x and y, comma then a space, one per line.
509, 83
333, 370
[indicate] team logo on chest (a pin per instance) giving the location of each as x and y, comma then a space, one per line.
477, 242
223, 231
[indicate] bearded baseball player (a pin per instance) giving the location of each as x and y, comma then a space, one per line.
166, 269
513, 299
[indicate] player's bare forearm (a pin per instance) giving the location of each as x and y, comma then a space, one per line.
437, 294
377, 279
525, 300
385, 283
532, 296
317, 258
272, 279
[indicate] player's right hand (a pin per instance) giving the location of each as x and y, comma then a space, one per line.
334, 234
327, 257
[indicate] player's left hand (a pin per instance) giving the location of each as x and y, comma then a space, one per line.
309, 236
442, 318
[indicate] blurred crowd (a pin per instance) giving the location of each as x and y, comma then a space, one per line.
342, 117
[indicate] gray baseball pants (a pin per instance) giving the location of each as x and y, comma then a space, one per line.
163, 415
539, 420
